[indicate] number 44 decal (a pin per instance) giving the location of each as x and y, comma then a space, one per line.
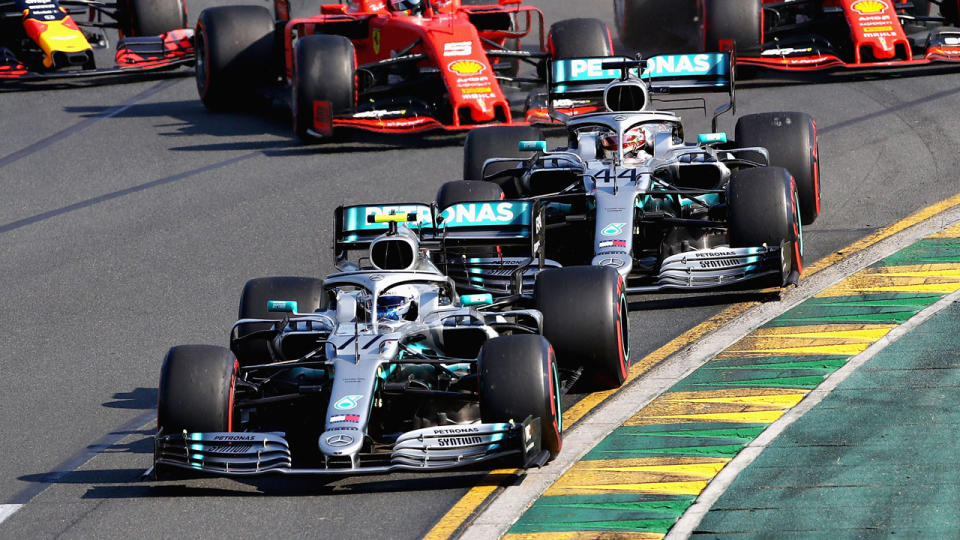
607, 175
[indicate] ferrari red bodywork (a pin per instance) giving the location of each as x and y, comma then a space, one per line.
461, 47
823, 34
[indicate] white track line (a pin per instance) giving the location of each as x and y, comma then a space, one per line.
7, 510
506, 509
687, 523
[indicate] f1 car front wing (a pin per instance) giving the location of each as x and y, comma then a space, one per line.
134, 55
713, 268
249, 454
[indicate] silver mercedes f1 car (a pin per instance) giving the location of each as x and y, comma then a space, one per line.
629, 193
380, 367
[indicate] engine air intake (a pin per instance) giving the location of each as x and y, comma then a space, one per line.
393, 253
626, 96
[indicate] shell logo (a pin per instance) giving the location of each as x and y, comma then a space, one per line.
869, 7
466, 67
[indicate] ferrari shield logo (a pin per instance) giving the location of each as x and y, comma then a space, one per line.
375, 38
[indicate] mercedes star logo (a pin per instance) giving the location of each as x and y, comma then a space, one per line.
339, 440
612, 261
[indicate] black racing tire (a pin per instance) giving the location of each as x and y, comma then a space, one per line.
518, 378
791, 140
921, 8
512, 44
234, 54
737, 20
585, 319
307, 292
460, 191
196, 390
324, 70
579, 38
950, 10
495, 142
762, 209
653, 27
150, 17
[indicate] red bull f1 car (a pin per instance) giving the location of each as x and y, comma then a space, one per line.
389, 66
55, 39
812, 34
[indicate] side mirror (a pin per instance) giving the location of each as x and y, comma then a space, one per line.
282, 306
476, 299
712, 138
532, 146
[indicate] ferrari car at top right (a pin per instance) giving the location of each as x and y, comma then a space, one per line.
804, 34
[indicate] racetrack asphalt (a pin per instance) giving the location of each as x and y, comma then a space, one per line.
130, 219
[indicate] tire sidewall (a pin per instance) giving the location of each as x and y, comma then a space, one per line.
452, 193
235, 49
577, 38
324, 70
519, 378
494, 142
739, 20
763, 210
792, 142
307, 292
584, 318
151, 17
196, 389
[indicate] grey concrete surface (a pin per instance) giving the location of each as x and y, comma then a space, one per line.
130, 217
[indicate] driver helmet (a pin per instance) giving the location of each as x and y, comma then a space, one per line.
408, 7
397, 303
633, 141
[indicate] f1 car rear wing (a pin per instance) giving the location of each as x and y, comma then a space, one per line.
462, 225
576, 80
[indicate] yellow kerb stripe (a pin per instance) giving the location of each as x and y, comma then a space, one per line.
465, 507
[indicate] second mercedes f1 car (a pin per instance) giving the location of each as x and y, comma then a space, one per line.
42, 39
384, 65
383, 367
629, 193
807, 34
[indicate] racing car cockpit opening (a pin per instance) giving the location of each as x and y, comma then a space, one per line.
408, 7
399, 303
635, 143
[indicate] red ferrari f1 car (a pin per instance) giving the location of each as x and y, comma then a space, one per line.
385, 65
803, 34
55, 39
